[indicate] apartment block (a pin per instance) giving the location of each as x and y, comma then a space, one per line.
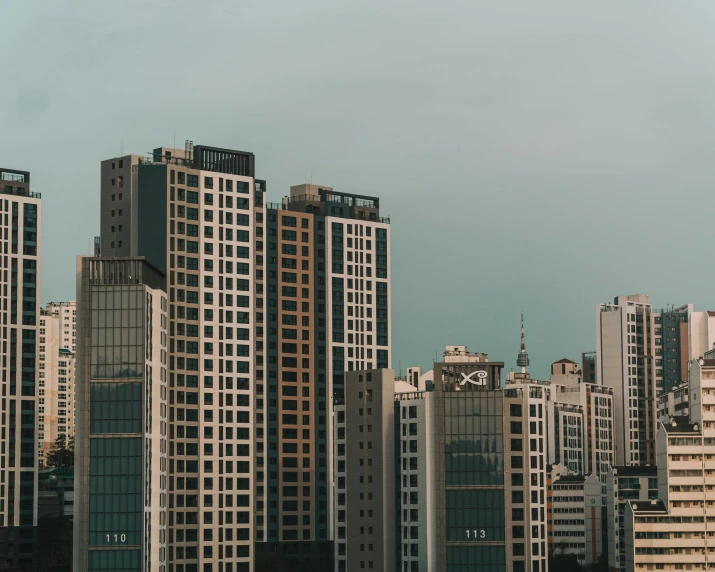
56, 354
197, 215
366, 491
595, 403
575, 516
629, 360
566, 435
673, 403
417, 483
20, 221
328, 299
121, 478
627, 483
672, 533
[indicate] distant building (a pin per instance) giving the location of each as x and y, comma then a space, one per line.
56, 354
626, 484
588, 366
56, 493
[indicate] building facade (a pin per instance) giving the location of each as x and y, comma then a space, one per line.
673, 403
673, 532
20, 219
197, 215
629, 483
490, 452
575, 517
629, 360
56, 352
567, 387
417, 485
328, 296
120, 503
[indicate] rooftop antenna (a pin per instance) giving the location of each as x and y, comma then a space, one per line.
121, 147
174, 139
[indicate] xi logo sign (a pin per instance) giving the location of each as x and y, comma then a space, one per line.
481, 378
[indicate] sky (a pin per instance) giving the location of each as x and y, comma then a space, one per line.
540, 155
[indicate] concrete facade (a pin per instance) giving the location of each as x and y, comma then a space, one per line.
21, 219
626, 484
56, 352
575, 517
195, 214
673, 532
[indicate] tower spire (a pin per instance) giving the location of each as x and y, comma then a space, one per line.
522, 359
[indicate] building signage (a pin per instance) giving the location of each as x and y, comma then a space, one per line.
481, 378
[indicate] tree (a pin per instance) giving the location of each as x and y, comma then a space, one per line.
62, 454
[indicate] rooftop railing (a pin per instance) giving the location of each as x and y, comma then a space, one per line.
19, 191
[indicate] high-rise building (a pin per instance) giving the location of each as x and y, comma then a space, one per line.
197, 215
367, 507
490, 456
675, 530
626, 484
121, 482
20, 216
416, 477
629, 360
56, 352
328, 292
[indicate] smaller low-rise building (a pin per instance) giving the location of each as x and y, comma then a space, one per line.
575, 516
625, 484
673, 404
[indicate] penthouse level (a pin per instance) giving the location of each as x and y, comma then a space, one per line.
324, 201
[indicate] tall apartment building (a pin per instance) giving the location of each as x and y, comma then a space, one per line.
121, 482
629, 483
197, 215
490, 453
56, 352
385, 473
328, 292
567, 387
575, 515
675, 531
630, 361
416, 477
20, 223
643, 352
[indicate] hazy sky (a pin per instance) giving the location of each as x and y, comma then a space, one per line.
548, 154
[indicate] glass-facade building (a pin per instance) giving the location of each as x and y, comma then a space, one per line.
490, 451
120, 503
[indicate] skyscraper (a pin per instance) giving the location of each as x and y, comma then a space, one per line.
56, 353
490, 455
20, 216
197, 214
328, 291
121, 483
